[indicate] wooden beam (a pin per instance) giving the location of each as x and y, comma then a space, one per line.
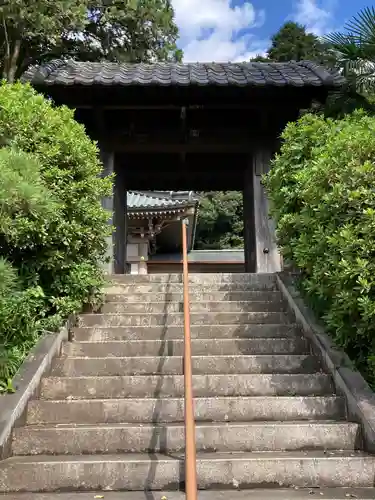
176, 184
114, 107
269, 104
117, 146
120, 221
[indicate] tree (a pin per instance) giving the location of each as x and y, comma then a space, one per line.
128, 31
29, 31
220, 221
293, 43
115, 30
260, 58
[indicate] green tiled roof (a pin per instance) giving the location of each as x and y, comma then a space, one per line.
156, 200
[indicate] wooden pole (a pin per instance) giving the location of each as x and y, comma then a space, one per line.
190, 449
249, 219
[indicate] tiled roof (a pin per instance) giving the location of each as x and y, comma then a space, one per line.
148, 200
295, 74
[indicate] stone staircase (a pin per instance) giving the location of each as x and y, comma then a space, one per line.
109, 415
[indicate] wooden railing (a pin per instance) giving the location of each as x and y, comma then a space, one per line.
190, 449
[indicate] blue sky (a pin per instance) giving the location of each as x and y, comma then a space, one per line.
235, 30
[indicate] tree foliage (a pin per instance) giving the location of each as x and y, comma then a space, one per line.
293, 43
322, 186
52, 225
220, 221
260, 58
115, 30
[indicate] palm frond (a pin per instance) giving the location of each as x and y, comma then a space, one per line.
360, 74
343, 47
357, 67
346, 100
362, 26
366, 82
355, 52
345, 44
338, 38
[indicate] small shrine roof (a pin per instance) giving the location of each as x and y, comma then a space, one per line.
147, 202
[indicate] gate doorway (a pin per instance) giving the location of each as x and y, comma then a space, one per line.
169, 126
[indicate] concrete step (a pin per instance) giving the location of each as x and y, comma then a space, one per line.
153, 386
213, 347
222, 437
177, 319
217, 409
172, 365
254, 494
169, 288
195, 295
256, 279
178, 307
141, 472
116, 333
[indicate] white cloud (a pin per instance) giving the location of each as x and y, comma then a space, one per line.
317, 18
214, 30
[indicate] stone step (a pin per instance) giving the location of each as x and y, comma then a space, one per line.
195, 295
213, 347
217, 409
254, 494
165, 386
143, 365
141, 472
169, 288
222, 437
177, 319
257, 279
178, 307
116, 333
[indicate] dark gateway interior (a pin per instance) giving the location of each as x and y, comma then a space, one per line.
201, 127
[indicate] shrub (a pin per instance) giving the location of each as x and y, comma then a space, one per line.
322, 187
52, 226
70, 169
28, 212
20, 321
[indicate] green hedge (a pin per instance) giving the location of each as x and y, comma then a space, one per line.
52, 226
322, 187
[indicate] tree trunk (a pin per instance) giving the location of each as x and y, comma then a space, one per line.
13, 62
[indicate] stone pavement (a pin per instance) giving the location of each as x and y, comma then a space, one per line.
255, 494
